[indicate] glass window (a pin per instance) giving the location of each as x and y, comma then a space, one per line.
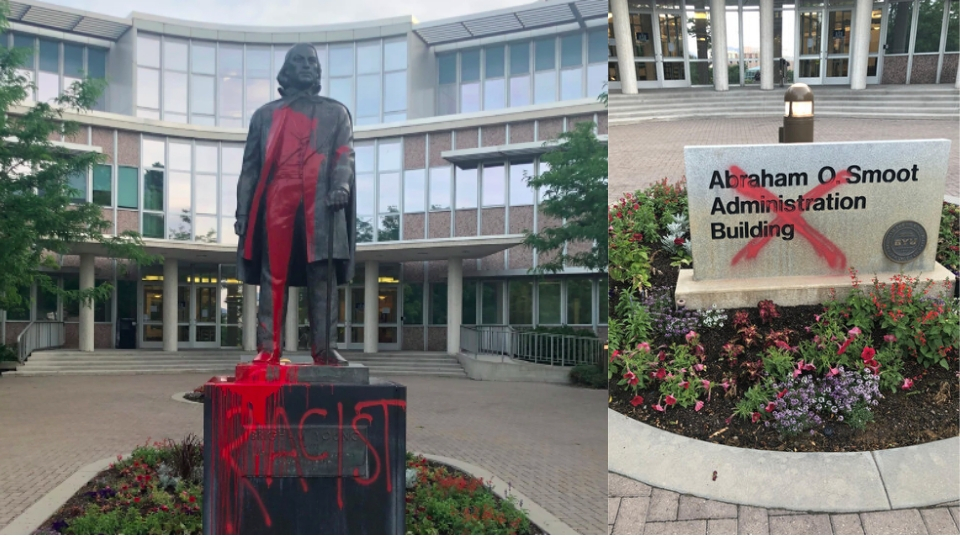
447, 99
545, 87
521, 302
366, 202
602, 288
440, 188
102, 185
364, 157
494, 94
364, 231
466, 186
388, 155
153, 225
231, 158
72, 61
231, 98
597, 75
470, 97
181, 155
153, 193
389, 192
178, 196
342, 90
206, 229
174, 92
341, 60
78, 181
258, 63
545, 54
412, 303
395, 92
448, 68
368, 98
96, 63
368, 57
520, 58
148, 88
258, 94
491, 302
127, 187
953, 28
174, 54
203, 57
394, 55
71, 308
389, 229
153, 153
494, 191
414, 194
571, 50
45, 308
571, 83
231, 61
206, 157
579, 301
898, 27
470, 66
228, 195
597, 51
148, 51
929, 26
206, 196
26, 43
493, 62
438, 303
520, 192
22, 311
549, 302
519, 91
48, 86
468, 313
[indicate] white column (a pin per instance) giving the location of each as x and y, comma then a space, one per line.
718, 37
623, 35
371, 306
248, 314
170, 300
454, 304
860, 44
86, 308
766, 45
291, 326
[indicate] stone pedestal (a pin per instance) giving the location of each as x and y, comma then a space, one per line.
304, 449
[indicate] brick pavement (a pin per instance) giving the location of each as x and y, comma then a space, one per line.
548, 440
643, 153
636, 508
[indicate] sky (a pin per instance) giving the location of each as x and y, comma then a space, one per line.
289, 12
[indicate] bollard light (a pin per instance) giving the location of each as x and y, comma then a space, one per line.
797, 115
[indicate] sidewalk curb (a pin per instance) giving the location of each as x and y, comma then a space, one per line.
833, 482
549, 523
40, 511
34, 516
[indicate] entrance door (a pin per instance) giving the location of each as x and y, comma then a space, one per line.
658, 46
389, 328
824, 45
645, 50
197, 306
671, 64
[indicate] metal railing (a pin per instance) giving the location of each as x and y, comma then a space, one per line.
39, 335
535, 347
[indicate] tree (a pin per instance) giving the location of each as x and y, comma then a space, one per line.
38, 215
575, 192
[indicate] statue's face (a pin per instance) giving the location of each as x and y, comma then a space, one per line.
303, 67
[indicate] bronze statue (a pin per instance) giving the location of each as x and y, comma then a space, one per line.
296, 206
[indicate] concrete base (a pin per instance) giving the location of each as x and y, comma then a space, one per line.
495, 368
307, 372
785, 291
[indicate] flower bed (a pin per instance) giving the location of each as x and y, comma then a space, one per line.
159, 490
878, 369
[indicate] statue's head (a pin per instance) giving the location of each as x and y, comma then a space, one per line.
300, 71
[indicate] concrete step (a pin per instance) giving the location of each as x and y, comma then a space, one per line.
377, 373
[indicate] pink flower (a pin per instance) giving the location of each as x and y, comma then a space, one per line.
843, 346
872, 365
698, 406
781, 393
770, 407
645, 347
699, 367
868, 353
662, 356
690, 336
670, 400
657, 407
907, 383
631, 378
637, 401
801, 367
854, 332
832, 372
728, 420
706, 384
782, 344
755, 417
725, 385
685, 384
890, 338
660, 374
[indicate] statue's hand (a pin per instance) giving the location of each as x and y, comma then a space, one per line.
240, 227
338, 199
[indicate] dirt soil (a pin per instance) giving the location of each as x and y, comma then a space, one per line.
928, 412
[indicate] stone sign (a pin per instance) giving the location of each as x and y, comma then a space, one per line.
769, 211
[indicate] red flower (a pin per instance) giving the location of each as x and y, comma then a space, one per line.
660, 374
645, 347
670, 400
685, 385
907, 383
873, 365
843, 347
136, 499
868, 353
637, 401
781, 393
770, 407
755, 417
678, 241
631, 378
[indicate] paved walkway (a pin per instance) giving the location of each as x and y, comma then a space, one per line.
636, 508
548, 440
644, 153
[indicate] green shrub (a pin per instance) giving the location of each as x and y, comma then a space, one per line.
589, 375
